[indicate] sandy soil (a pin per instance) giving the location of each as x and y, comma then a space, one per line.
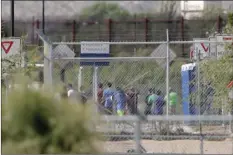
175, 146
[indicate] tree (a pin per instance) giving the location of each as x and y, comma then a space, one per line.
104, 10
207, 22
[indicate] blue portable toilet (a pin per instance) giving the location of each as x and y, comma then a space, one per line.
188, 75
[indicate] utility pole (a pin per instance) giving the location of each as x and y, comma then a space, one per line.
12, 18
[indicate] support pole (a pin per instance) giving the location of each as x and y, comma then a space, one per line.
48, 61
12, 18
95, 83
74, 33
43, 16
182, 36
138, 136
199, 101
167, 74
80, 78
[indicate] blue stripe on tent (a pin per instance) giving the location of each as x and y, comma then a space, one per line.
93, 63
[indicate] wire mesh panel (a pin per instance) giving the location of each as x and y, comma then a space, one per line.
118, 136
160, 138
139, 73
198, 91
141, 83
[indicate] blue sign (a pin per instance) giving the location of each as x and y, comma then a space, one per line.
94, 50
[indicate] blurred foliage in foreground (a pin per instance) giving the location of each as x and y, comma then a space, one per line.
35, 122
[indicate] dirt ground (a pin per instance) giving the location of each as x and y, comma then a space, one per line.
174, 146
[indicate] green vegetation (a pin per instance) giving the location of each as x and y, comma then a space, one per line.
220, 72
103, 10
34, 122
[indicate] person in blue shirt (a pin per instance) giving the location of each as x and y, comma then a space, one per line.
108, 95
120, 98
158, 105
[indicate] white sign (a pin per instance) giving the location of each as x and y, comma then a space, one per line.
221, 46
63, 51
10, 46
192, 5
187, 67
87, 48
201, 48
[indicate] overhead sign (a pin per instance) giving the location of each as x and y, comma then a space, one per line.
62, 51
10, 46
161, 51
221, 47
94, 50
201, 48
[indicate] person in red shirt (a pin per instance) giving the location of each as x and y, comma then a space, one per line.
100, 97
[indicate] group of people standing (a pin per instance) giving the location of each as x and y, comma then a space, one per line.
111, 101
155, 102
117, 100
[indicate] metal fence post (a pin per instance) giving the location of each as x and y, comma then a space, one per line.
74, 32
146, 29
51, 64
37, 27
230, 125
198, 101
109, 29
219, 24
182, 35
167, 74
138, 135
95, 83
167, 79
48, 59
80, 78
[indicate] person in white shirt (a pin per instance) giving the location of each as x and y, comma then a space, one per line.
71, 93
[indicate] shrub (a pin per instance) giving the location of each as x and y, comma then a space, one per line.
35, 122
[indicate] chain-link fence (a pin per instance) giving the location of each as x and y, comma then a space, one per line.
142, 83
204, 136
143, 73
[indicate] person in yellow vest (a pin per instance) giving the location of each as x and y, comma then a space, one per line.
173, 99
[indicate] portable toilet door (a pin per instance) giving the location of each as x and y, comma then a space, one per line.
188, 75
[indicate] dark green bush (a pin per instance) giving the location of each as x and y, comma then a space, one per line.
35, 122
